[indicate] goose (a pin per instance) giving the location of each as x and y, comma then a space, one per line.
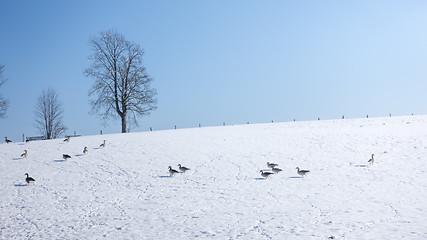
29, 179
276, 170
172, 171
7, 140
265, 174
24, 155
182, 168
27, 141
85, 150
302, 172
67, 139
66, 156
272, 165
371, 161
102, 144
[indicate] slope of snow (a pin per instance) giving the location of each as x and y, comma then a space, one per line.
124, 191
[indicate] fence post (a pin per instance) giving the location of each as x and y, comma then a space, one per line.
100, 131
23, 138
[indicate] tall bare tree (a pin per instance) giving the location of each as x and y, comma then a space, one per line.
3, 102
122, 85
49, 114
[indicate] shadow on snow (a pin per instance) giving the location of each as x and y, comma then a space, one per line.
165, 176
20, 185
363, 165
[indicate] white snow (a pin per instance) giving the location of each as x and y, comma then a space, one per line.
124, 191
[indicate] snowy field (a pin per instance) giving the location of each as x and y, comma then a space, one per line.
124, 191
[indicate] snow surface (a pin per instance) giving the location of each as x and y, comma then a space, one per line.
124, 191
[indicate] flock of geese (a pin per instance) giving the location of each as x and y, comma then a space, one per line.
275, 170
30, 180
300, 172
266, 174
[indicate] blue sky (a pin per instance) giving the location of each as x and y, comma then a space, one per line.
221, 61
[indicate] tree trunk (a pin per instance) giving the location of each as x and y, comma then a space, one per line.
123, 122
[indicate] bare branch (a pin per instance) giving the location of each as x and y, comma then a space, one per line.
4, 104
121, 85
48, 113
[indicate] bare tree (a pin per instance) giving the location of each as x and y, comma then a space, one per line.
122, 85
3, 102
49, 113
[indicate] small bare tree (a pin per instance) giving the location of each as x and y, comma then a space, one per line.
3, 102
49, 113
122, 86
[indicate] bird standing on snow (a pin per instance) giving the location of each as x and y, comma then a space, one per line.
102, 144
371, 161
24, 155
7, 140
276, 170
67, 139
66, 156
85, 150
302, 173
265, 174
272, 165
182, 168
29, 179
172, 171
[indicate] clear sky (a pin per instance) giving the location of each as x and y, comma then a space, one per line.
221, 61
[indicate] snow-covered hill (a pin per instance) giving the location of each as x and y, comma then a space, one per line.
124, 191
